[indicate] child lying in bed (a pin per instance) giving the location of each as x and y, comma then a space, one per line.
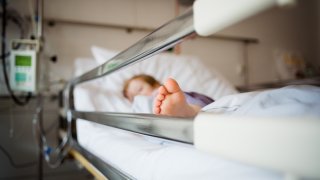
168, 99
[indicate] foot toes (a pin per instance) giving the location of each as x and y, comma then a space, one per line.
156, 110
160, 97
163, 90
157, 103
172, 86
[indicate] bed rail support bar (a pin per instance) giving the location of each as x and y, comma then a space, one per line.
178, 129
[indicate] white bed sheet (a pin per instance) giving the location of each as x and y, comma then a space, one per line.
290, 101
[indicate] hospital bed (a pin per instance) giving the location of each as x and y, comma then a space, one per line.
117, 145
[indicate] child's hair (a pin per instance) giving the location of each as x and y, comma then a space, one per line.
144, 77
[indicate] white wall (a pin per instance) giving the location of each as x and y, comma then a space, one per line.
291, 30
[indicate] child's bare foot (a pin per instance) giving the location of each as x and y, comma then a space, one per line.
171, 101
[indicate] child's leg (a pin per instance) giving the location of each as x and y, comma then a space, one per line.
171, 101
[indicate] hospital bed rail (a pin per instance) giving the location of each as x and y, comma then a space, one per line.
314, 81
179, 129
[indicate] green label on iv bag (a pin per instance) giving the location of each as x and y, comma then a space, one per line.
22, 60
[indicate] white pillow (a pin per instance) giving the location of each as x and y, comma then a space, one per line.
189, 71
191, 74
102, 55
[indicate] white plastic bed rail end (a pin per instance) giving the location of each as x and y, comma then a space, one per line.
289, 145
210, 16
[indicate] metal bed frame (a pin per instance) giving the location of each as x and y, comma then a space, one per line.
181, 130
193, 131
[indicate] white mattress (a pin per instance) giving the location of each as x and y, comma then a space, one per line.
148, 158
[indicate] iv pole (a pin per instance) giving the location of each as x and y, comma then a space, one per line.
39, 36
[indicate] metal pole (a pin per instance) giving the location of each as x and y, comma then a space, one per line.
40, 116
39, 18
39, 30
